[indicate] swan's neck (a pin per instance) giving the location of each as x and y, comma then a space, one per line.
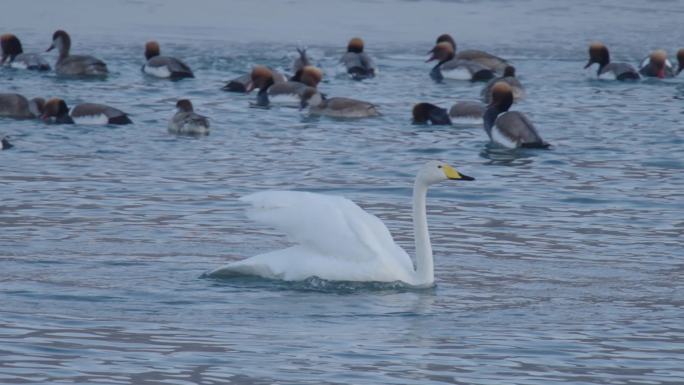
424, 264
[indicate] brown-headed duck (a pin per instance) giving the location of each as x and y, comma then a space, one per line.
509, 128
656, 65
598, 53
458, 69
164, 66
14, 56
187, 122
487, 60
358, 64
75, 65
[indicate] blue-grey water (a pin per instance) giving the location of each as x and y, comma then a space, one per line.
559, 266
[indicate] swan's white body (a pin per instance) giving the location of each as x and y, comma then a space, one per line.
337, 240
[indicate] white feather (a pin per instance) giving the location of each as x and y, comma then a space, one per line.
285, 99
457, 74
160, 72
335, 240
91, 119
19, 65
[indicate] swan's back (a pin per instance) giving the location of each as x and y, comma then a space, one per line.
329, 226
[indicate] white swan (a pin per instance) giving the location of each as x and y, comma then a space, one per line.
336, 240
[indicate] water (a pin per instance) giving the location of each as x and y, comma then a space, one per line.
559, 266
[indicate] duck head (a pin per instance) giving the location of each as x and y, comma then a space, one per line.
261, 78
184, 105
441, 52
56, 111
427, 112
151, 49
598, 53
61, 41
355, 45
11, 47
446, 38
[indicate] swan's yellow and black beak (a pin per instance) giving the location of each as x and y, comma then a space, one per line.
451, 173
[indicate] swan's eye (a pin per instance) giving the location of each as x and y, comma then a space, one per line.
440, 166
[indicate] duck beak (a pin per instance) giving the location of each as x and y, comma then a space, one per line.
249, 87
52, 46
589, 64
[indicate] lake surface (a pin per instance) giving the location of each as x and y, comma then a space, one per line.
559, 266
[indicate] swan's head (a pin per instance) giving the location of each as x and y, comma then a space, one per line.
437, 171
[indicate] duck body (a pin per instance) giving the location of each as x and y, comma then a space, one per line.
467, 112
187, 122
509, 128
13, 55
167, 67
337, 107
164, 66
16, 106
93, 113
460, 69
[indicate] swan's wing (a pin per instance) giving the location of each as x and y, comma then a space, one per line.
327, 225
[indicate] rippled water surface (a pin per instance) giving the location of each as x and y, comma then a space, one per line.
558, 266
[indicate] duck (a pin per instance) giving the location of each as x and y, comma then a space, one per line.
467, 112
75, 65
336, 240
508, 77
14, 56
680, 60
458, 69
656, 65
290, 93
240, 83
337, 107
17, 106
429, 113
598, 53
358, 64
301, 61
186, 121
509, 128
57, 111
5, 144
487, 60
164, 66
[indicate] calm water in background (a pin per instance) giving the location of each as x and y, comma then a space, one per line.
559, 266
